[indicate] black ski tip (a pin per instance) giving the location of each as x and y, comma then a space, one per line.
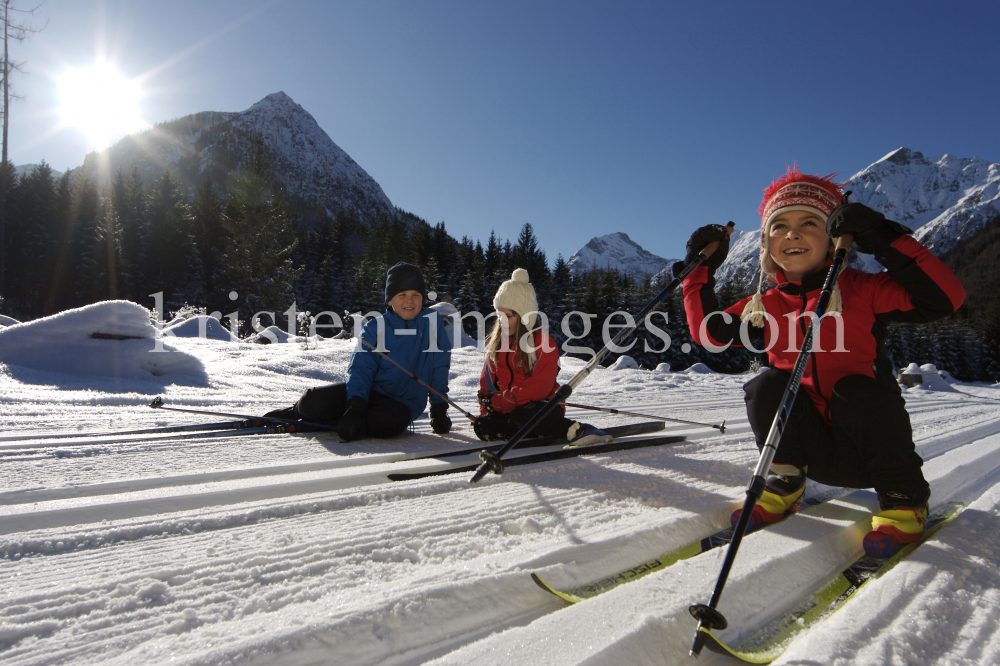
722, 428
157, 402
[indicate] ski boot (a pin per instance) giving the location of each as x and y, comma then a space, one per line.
901, 521
584, 434
782, 496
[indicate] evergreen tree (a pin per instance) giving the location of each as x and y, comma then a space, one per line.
262, 236
169, 228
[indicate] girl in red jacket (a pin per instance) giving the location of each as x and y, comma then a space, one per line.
848, 426
519, 375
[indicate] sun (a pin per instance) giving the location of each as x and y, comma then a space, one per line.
100, 103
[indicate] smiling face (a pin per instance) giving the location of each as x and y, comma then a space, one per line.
798, 243
407, 304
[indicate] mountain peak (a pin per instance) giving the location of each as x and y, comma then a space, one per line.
209, 145
904, 156
616, 250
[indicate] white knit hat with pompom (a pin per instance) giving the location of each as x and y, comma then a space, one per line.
518, 295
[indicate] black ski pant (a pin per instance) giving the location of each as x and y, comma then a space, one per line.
494, 427
385, 416
869, 443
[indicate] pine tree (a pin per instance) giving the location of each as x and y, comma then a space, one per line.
209, 233
263, 234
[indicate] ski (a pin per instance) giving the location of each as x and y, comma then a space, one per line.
254, 422
198, 433
765, 644
471, 461
643, 428
717, 540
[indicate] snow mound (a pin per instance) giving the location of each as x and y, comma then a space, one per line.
275, 334
450, 315
112, 338
200, 326
699, 369
8, 321
914, 369
663, 367
932, 379
625, 363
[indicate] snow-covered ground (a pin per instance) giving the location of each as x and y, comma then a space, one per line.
294, 549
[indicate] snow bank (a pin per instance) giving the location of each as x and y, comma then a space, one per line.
625, 363
8, 321
200, 326
699, 369
112, 338
449, 313
275, 334
663, 367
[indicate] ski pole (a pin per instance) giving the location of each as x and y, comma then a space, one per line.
418, 379
158, 404
707, 615
491, 461
721, 427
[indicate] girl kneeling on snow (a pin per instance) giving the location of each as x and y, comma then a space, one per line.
519, 375
848, 425
379, 399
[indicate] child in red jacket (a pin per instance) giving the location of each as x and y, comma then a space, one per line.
519, 375
848, 426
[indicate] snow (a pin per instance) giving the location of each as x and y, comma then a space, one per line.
625, 363
8, 321
113, 338
305, 160
200, 326
618, 251
294, 549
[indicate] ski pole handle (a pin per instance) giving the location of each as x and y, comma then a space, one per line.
845, 242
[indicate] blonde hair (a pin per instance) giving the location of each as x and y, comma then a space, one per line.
496, 341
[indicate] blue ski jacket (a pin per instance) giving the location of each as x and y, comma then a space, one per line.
409, 344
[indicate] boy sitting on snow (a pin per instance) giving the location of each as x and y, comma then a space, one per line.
379, 399
850, 428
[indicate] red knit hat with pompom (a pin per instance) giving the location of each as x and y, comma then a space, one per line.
800, 191
793, 191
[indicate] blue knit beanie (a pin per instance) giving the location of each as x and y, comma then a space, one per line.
404, 277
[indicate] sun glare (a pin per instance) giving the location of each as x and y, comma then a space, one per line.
99, 102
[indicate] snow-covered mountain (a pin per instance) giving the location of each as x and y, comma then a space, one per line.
306, 161
619, 251
944, 200
22, 170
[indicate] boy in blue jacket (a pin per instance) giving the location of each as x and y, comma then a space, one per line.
379, 399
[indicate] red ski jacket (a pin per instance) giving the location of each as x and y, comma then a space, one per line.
916, 287
514, 386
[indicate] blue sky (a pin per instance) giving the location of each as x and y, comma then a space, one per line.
582, 118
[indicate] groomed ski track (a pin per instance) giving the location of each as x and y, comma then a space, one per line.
278, 549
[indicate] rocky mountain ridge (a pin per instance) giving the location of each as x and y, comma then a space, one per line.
211, 144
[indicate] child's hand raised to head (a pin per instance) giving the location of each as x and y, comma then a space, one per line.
872, 232
699, 240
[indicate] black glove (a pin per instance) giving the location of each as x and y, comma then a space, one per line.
440, 423
872, 232
701, 237
354, 423
486, 400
